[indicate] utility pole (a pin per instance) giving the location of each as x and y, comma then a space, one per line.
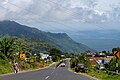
117, 56
116, 66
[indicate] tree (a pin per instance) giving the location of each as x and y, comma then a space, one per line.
104, 52
55, 58
55, 51
115, 49
3, 57
73, 62
112, 65
56, 54
80, 58
7, 46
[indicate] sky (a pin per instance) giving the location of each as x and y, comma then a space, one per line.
63, 15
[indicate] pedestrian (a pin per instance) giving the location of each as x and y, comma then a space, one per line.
15, 66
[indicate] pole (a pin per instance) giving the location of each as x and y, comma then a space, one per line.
116, 65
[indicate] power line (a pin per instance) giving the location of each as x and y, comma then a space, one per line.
53, 21
30, 13
40, 16
31, 18
68, 11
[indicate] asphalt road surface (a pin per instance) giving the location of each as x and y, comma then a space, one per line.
51, 73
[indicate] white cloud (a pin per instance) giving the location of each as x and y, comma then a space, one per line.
3, 14
82, 3
16, 5
61, 10
106, 5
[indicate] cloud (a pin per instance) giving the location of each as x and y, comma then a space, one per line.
83, 3
106, 5
60, 10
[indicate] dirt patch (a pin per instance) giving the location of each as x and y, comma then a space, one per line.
39, 64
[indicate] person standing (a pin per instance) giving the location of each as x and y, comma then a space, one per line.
15, 66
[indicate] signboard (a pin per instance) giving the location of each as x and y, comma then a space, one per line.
117, 54
22, 56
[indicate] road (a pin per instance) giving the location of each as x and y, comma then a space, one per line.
51, 73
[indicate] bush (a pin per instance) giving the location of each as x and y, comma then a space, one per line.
80, 59
32, 65
2, 56
5, 67
112, 64
73, 63
55, 58
23, 65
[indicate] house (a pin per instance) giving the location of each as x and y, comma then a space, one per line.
45, 56
95, 61
100, 54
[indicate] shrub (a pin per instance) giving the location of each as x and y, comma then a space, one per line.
5, 67
23, 65
112, 64
2, 56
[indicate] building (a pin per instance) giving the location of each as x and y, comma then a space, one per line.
45, 56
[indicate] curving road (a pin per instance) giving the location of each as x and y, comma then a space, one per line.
51, 73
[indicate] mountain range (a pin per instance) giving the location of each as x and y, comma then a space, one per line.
98, 39
60, 40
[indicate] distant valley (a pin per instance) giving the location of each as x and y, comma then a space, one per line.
98, 39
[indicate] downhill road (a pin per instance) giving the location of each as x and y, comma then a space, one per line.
51, 73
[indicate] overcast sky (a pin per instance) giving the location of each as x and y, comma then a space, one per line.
63, 14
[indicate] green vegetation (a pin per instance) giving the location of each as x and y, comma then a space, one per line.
79, 58
107, 74
56, 54
102, 75
5, 67
12, 47
115, 49
7, 47
92, 71
112, 65
59, 40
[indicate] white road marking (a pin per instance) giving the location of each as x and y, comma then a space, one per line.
52, 72
47, 77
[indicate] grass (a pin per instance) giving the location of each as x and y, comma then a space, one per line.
73, 69
102, 75
5, 67
48, 63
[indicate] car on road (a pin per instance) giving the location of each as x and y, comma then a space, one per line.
62, 64
80, 67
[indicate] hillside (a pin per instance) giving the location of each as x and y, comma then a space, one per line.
59, 40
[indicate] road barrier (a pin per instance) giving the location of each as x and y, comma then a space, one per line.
59, 63
113, 72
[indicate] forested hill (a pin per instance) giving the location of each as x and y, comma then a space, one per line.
59, 40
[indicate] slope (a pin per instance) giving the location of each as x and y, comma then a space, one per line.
59, 40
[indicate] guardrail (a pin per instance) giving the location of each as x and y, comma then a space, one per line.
59, 63
113, 72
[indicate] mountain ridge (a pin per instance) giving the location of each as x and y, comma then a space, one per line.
59, 40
